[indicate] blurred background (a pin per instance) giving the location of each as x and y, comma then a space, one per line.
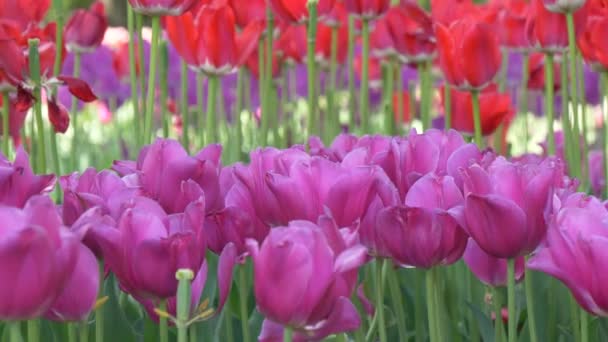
116, 9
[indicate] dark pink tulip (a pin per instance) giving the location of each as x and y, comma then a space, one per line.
367, 9
506, 205
167, 174
339, 148
18, 182
79, 294
297, 276
488, 269
148, 247
424, 232
574, 250
38, 254
85, 29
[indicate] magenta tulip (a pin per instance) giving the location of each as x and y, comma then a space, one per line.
297, 281
147, 247
79, 294
424, 232
574, 251
506, 205
38, 254
488, 269
18, 182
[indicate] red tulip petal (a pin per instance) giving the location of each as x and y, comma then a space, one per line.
78, 88
25, 99
481, 57
58, 116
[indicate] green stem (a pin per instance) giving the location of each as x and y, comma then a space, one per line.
364, 90
262, 93
530, 306
430, 304
419, 305
498, 327
243, 293
576, 165
584, 325
569, 147
351, 73
74, 109
165, 117
477, 118
6, 135
14, 330
202, 116
192, 332
397, 298
133, 75
84, 332
332, 118
287, 334
400, 97
139, 24
59, 20
549, 103
270, 109
575, 319
184, 278
502, 81
33, 330
437, 303
71, 332
447, 105
523, 93
99, 312
184, 105
389, 119
380, 280
228, 327
511, 300
584, 157
311, 68
210, 125
35, 75
154, 52
469, 290
238, 129
162, 323
426, 89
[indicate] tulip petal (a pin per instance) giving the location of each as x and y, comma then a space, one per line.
225, 269
350, 259
78, 88
58, 116
343, 318
481, 57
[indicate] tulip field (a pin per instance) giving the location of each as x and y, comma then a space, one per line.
304, 170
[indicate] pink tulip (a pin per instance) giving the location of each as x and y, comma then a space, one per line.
18, 183
488, 269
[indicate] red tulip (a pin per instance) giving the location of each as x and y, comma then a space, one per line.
246, 12
120, 61
536, 72
253, 62
494, 108
296, 11
367, 9
405, 115
592, 41
448, 11
511, 19
375, 71
85, 29
469, 53
323, 47
24, 12
409, 32
208, 42
162, 7
291, 44
548, 31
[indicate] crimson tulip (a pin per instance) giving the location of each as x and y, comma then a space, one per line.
590, 42
246, 12
547, 30
367, 9
296, 11
536, 72
494, 107
323, 44
448, 11
208, 42
469, 53
85, 29
511, 23
162, 7
24, 12
291, 44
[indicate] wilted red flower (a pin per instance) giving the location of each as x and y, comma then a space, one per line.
24, 12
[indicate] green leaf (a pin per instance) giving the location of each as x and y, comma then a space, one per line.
483, 322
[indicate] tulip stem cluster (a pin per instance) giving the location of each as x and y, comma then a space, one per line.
351, 73
576, 162
530, 307
34, 58
311, 67
364, 108
184, 107
75, 123
164, 69
243, 293
133, 75
549, 103
332, 116
154, 54
14, 331
523, 93
477, 118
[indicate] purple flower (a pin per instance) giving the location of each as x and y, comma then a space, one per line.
506, 205
18, 183
574, 250
424, 231
38, 254
488, 269
301, 279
